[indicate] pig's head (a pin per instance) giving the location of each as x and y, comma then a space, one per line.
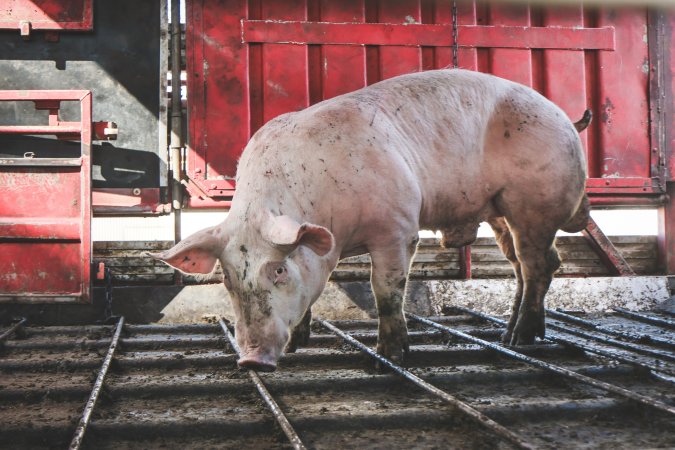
273, 273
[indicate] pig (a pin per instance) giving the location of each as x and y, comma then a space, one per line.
364, 172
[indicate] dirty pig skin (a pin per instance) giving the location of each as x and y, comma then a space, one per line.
364, 172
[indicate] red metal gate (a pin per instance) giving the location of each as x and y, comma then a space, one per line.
45, 212
249, 61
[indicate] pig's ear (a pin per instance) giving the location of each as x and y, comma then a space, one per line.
197, 253
284, 232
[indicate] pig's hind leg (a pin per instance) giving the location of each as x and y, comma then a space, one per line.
538, 258
389, 274
505, 243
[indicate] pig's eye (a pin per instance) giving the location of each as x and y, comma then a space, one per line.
280, 275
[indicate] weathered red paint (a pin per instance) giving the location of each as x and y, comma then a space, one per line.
252, 60
261, 58
27, 15
119, 201
45, 230
465, 262
431, 35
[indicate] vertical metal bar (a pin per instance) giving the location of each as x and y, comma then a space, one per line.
176, 143
176, 107
85, 194
78, 437
607, 387
466, 409
465, 262
604, 248
267, 397
4, 336
645, 318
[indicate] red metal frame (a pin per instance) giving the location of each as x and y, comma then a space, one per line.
271, 57
45, 230
128, 201
428, 35
27, 15
251, 60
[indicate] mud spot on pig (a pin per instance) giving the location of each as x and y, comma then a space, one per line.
256, 305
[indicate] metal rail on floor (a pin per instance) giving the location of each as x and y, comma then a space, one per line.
285, 425
469, 411
633, 337
612, 342
607, 387
11, 330
657, 372
78, 437
659, 322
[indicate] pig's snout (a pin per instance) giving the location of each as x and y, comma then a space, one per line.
261, 363
261, 351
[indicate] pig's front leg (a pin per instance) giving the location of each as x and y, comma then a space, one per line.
300, 334
388, 278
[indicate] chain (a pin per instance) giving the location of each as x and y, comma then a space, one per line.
455, 45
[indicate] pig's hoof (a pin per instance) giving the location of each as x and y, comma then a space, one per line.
527, 329
506, 336
394, 350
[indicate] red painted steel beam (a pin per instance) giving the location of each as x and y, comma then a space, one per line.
69, 129
40, 229
604, 248
628, 201
118, 201
432, 35
52, 95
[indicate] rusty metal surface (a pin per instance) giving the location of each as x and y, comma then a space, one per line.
296, 54
45, 230
178, 387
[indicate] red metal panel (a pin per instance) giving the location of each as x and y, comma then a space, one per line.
467, 15
47, 15
396, 60
45, 230
509, 63
343, 67
296, 53
564, 70
299, 32
284, 66
218, 84
623, 107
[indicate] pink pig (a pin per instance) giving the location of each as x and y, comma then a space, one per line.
364, 172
